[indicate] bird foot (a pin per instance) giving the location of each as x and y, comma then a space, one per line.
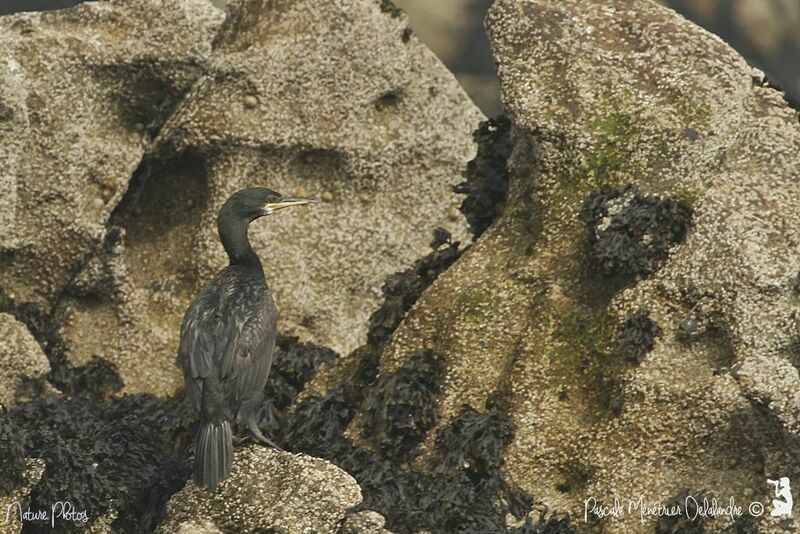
258, 436
264, 441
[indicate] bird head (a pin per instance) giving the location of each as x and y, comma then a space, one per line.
254, 202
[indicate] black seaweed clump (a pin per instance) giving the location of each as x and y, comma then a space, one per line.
401, 290
387, 6
12, 451
461, 488
98, 378
317, 425
486, 184
127, 454
294, 364
402, 406
637, 336
634, 239
471, 492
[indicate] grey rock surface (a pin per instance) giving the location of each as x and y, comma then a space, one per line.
124, 127
21, 361
77, 86
270, 490
615, 92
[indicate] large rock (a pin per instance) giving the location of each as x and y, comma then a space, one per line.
125, 126
267, 490
677, 370
336, 100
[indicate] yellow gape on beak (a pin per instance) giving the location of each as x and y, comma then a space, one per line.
285, 202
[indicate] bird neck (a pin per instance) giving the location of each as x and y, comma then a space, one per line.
233, 234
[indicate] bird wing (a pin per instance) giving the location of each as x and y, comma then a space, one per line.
228, 335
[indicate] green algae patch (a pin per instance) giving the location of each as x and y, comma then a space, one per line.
610, 161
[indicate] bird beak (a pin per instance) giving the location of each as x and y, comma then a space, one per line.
285, 202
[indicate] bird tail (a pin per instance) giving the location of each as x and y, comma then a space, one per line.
214, 454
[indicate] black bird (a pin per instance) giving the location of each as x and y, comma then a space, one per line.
228, 336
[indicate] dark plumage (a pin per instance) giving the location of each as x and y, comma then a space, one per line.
228, 337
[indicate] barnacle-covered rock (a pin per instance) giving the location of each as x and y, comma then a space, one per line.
82, 92
78, 91
268, 490
764, 30
621, 95
365, 522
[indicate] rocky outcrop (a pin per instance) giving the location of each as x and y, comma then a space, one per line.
267, 490
364, 522
622, 95
627, 324
337, 100
124, 127
624, 326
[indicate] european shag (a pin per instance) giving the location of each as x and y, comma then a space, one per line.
228, 336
